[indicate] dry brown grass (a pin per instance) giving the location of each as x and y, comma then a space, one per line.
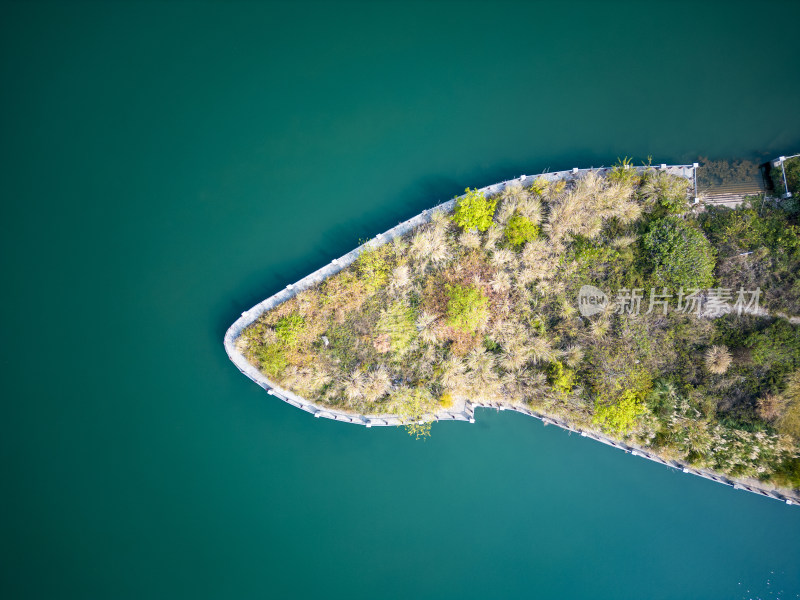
430, 245
306, 380
400, 278
376, 384
428, 327
584, 208
717, 359
771, 407
542, 350
470, 239
493, 235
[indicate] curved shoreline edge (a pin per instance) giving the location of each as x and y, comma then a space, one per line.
468, 414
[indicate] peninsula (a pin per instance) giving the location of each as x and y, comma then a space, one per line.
613, 302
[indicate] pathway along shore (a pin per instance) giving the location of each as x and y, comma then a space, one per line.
468, 412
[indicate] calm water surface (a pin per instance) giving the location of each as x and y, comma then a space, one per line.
166, 166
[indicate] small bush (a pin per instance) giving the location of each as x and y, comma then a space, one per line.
678, 254
467, 307
272, 359
623, 172
718, 359
788, 473
474, 211
667, 194
619, 418
411, 404
771, 407
290, 329
446, 400
520, 230
539, 186
776, 347
557, 188
561, 377
661, 398
373, 266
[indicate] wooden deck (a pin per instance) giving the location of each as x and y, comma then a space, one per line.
731, 194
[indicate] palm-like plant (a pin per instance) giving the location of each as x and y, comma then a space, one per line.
501, 282
470, 239
541, 350
514, 356
376, 384
493, 235
660, 185
427, 327
718, 359
401, 277
353, 386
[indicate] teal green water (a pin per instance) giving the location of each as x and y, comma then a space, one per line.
165, 166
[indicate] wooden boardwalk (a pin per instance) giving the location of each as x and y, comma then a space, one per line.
732, 194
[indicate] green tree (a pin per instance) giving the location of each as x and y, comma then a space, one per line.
620, 417
678, 254
562, 378
474, 211
520, 230
467, 307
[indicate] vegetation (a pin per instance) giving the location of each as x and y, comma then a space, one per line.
373, 267
467, 307
664, 194
620, 417
562, 378
792, 168
398, 325
679, 254
289, 329
411, 404
481, 305
718, 359
520, 230
758, 246
474, 211
624, 173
